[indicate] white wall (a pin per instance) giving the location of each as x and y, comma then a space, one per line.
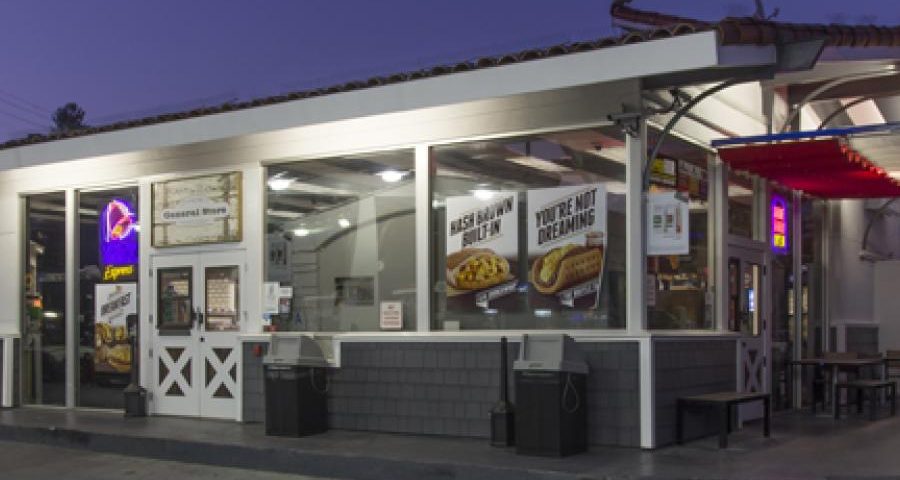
850, 279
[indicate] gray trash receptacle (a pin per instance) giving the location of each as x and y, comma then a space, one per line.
296, 386
551, 410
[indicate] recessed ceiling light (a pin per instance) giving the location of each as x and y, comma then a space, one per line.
483, 194
344, 223
280, 182
301, 232
391, 176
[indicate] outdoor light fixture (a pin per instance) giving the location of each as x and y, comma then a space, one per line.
344, 223
483, 194
280, 182
301, 232
391, 176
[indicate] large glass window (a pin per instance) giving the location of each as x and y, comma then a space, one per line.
44, 320
678, 253
340, 243
741, 211
108, 281
529, 232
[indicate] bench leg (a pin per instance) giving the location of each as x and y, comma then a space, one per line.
767, 417
679, 423
859, 400
724, 420
837, 403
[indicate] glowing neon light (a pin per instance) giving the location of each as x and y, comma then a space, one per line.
779, 223
118, 234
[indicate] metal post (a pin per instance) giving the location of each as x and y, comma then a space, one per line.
719, 228
71, 313
423, 238
635, 231
797, 267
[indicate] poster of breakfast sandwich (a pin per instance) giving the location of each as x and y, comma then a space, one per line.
482, 248
567, 240
112, 348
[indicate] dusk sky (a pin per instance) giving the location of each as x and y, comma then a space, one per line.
128, 59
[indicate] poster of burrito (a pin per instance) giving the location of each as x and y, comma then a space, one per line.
112, 350
482, 248
566, 245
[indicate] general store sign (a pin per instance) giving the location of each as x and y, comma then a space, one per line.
197, 210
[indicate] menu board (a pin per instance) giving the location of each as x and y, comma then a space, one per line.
567, 239
482, 248
112, 349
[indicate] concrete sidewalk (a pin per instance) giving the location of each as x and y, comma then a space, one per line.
801, 446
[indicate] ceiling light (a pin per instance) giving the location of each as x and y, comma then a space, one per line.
344, 223
301, 232
483, 195
391, 176
540, 164
280, 182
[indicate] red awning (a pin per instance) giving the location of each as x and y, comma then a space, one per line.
821, 168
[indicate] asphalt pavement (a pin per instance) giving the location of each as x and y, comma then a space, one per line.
24, 461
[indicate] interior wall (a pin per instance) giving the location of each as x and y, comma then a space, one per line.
887, 304
850, 279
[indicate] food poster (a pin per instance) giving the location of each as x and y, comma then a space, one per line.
482, 250
566, 245
112, 349
668, 228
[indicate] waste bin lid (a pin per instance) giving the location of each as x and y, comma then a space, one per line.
294, 350
550, 352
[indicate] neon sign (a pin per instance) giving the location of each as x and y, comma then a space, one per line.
118, 239
779, 222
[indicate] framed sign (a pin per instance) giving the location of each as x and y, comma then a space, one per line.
197, 210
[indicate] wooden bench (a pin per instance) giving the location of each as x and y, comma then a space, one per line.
722, 403
874, 388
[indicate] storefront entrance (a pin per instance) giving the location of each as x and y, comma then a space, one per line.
749, 314
196, 320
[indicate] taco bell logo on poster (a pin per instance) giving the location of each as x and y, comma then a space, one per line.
566, 215
483, 220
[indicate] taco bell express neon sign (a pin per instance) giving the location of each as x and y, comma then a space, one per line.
779, 222
118, 234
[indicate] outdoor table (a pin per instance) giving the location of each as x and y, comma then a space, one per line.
836, 364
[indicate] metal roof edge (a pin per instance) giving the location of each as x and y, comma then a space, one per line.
808, 134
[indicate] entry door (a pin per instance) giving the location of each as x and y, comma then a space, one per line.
194, 349
750, 301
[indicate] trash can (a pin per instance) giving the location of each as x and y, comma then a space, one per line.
296, 387
551, 407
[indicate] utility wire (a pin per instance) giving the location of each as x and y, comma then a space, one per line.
13, 115
23, 109
37, 108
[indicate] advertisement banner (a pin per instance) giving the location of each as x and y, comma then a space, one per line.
567, 239
668, 224
118, 239
112, 350
663, 172
482, 247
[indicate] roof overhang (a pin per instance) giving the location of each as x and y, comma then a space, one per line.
856, 162
657, 59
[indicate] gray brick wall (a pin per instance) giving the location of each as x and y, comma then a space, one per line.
690, 367
448, 388
254, 406
862, 338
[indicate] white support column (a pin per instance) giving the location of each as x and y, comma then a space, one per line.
635, 234
797, 252
423, 238
719, 228
71, 277
648, 392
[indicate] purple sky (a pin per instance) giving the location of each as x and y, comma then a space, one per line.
126, 59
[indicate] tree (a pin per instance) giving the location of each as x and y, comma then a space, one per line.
68, 117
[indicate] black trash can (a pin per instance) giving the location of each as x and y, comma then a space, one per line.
296, 387
551, 397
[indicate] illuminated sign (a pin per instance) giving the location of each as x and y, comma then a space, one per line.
779, 223
118, 235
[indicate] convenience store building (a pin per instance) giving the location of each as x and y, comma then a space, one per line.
456, 195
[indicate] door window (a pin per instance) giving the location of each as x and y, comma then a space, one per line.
222, 293
175, 307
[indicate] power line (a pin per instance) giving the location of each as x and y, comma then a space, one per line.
13, 115
23, 109
34, 106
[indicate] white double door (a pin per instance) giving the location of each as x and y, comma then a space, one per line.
749, 295
197, 317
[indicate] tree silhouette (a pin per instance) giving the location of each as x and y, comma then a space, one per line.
68, 117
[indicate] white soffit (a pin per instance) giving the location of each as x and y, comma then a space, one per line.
697, 51
883, 150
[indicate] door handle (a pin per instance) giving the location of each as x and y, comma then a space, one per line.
198, 316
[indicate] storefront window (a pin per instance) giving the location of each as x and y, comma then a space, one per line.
340, 244
529, 233
740, 205
678, 244
108, 271
44, 319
